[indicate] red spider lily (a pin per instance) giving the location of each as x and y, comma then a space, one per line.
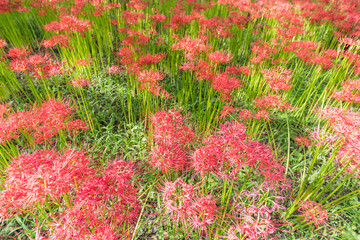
178, 21
202, 212
313, 212
342, 122
245, 115
18, 53
220, 57
219, 27
277, 78
33, 178
2, 43
80, 82
127, 56
225, 111
204, 71
83, 62
114, 22
188, 66
135, 39
210, 158
40, 66
256, 223
227, 153
114, 69
137, 4
103, 202
225, 85
262, 50
80, 222
324, 62
192, 47
61, 40
262, 115
350, 92
149, 80
302, 141
178, 197
345, 126
69, 24
271, 101
237, 70
42, 123
132, 17
172, 138
158, 18
151, 60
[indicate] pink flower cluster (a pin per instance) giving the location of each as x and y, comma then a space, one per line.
350, 92
313, 212
32, 178
181, 204
230, 150
95, 203
60, 40
69, 24
39, 66
277, 78
172, 140
42, 123
345, 125
149, 80
103, 203
225, 153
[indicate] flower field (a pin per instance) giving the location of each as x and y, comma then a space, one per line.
154, 119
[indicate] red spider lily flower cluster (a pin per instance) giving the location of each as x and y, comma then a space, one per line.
230, 151
256, 223
103, 202
151, 60
83, 62
80, 82
345, 125
114, 69
97, 203
60, 40
35, 65
182, 204
225, 85
220, 57
172, 140
69, 24
225, 153
178, 197
262, 51
192, 47
224, 82
277, 78
302, 141
237, 70
226, 111
134, 38
252, 212
263, 114
32, 178
2, 43
271, 101
149, 80
313, 212
350, 92
42, 123
202, 212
